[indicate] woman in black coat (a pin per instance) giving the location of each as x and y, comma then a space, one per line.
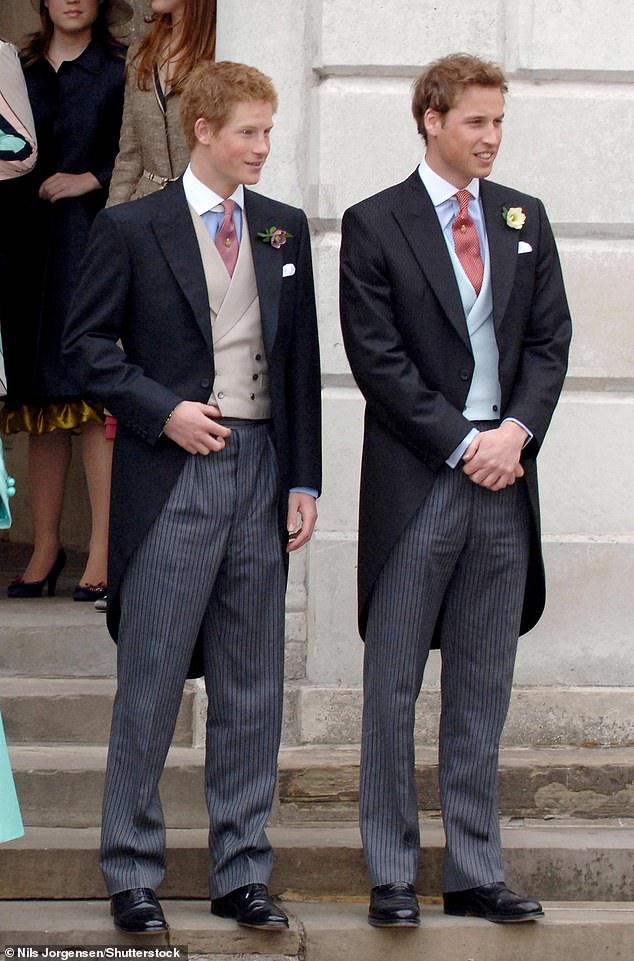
75, 78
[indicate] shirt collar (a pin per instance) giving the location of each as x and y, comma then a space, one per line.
202, 198
439, 189
93, 59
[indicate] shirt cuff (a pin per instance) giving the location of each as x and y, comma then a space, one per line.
529, 437
454, 458
305, 490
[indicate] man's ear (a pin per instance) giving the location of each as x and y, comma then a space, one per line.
432, 120
203, 131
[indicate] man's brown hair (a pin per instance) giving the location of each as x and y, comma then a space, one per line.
441, 83
213, 89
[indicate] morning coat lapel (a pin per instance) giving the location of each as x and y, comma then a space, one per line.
503, 242
267, 263
417, 218
174, 231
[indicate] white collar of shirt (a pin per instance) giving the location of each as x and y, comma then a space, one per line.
202, 199
439, 189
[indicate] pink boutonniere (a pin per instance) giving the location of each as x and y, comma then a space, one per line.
275, 236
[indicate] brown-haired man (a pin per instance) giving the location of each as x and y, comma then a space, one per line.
457, 328
209, 288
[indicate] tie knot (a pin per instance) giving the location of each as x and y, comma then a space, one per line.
463, 197
228, 206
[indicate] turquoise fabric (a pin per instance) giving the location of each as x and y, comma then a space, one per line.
7, 490
11, 144
10, 819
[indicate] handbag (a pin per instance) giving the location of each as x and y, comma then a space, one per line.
18, 148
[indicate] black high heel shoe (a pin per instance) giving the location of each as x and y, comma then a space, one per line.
90, 592
21, 588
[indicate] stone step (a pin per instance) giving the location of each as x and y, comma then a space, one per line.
54, 637
61, 786
70, 710
326, 931
321, 782
563, 860
562, 714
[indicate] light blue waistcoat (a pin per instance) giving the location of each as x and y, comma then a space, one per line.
483, 399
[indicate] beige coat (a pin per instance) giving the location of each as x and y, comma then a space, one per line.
150, 140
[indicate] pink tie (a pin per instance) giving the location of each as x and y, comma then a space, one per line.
466, 243
226, 238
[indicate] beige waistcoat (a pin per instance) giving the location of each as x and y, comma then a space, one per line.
241, 384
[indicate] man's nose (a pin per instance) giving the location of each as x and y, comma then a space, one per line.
262, 145
492, 133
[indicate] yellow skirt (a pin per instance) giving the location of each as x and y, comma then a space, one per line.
42, 420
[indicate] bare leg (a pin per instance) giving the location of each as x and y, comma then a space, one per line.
49, 460
97, 455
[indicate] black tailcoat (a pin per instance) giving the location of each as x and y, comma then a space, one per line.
407, 342
142, 282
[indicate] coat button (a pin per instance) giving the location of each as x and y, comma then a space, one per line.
205, 383
464, 374
258, 357
221, 394
255, 377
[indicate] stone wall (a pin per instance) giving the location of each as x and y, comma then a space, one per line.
343, 131
343, 69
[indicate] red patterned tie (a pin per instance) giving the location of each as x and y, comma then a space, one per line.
226, 238
466, 243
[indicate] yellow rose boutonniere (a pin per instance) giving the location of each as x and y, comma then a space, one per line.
514, 217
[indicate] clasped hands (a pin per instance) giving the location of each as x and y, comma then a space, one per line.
492, 460
61, 186
193, 427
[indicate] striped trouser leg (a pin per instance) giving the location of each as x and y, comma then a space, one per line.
164, 599
419, 579
244, 667
481, 621
404, 607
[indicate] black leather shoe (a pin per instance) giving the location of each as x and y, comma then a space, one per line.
138, 912
494, 902
251, 907
394, 905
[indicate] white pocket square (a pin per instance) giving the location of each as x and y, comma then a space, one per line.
288, 270
523, 247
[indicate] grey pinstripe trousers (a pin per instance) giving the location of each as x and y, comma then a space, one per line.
465, 554
211, 562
